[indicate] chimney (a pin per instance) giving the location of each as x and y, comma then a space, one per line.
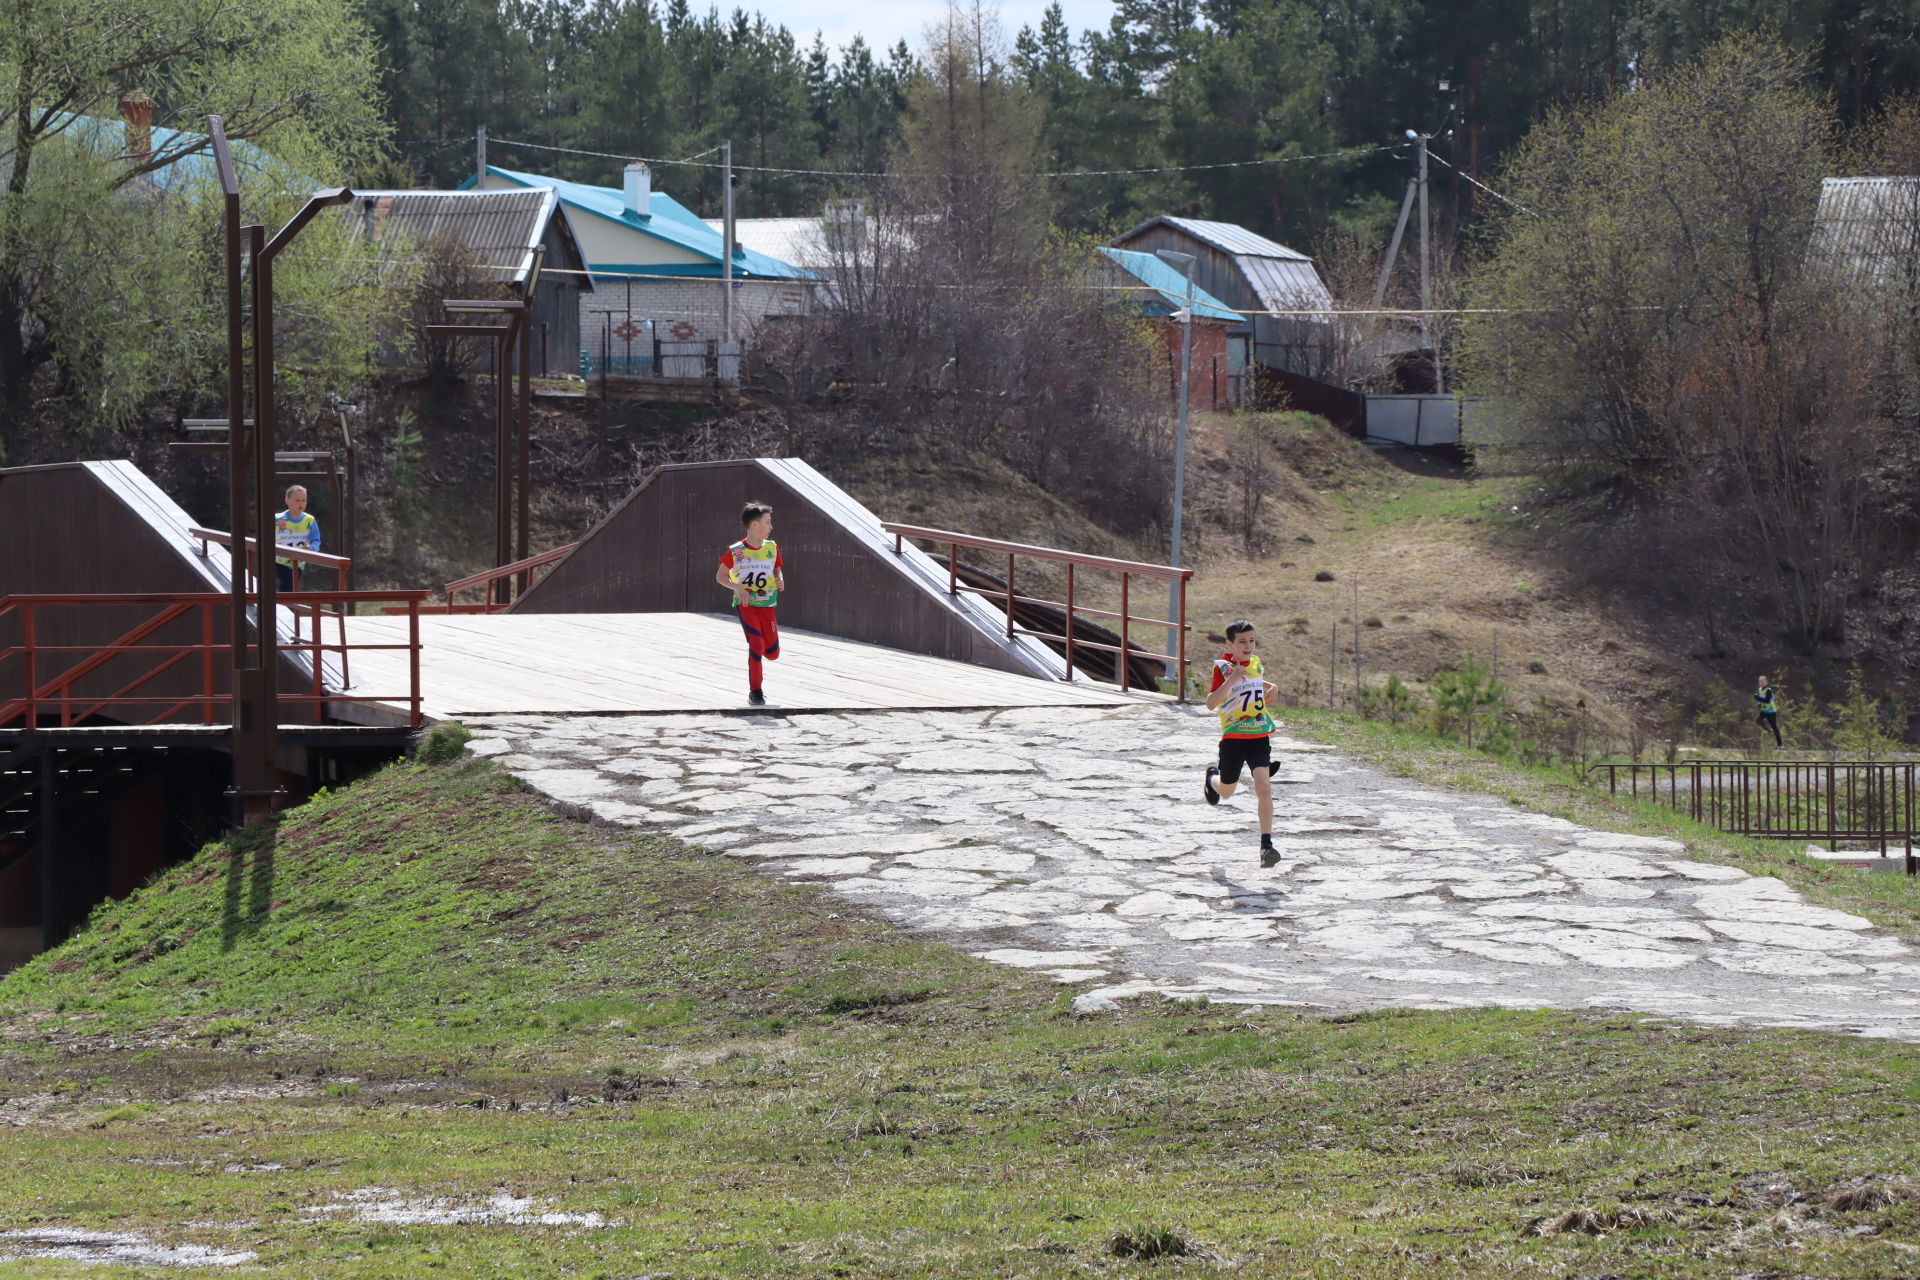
137, 110
639, 190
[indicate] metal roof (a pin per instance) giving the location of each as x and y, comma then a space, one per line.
667, 219
1169, 288
1865, 227
1280, 278
1228, 237
502, 228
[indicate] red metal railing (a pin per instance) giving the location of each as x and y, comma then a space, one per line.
300, 601
1074, 560
490, 576
137, 656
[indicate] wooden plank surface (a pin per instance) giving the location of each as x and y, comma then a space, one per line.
585, 663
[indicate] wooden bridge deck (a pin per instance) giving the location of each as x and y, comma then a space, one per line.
583, 664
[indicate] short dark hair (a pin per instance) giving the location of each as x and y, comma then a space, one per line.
1237, 627
753, 511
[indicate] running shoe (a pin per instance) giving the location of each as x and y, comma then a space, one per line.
1269, 856
1213, 771
756, 698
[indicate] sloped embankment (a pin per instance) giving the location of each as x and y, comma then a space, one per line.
442, 909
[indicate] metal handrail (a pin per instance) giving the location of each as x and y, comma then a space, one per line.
1074, 560
488, 577
57, 694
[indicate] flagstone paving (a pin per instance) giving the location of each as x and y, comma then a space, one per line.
1074, 841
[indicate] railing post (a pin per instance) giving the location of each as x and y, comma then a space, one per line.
206, 662
413, 655
1183, 640
1009, 595
1069, 618
319, 682
1126, 657
33, 665
953, 568
1833, 838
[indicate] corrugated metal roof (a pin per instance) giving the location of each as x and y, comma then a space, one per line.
1866, 227
502, 228
1281, 279
1286, 284
667, 219
1232, 238
1169, 286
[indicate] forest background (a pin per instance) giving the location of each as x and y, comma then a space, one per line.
1170, 84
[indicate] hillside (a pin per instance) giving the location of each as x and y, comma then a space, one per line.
433, 1027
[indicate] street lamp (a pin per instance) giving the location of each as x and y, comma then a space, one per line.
1183, 263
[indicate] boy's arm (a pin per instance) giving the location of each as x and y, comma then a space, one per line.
779, 579
1217, 696
720, 576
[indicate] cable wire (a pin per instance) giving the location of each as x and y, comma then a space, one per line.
1432, 155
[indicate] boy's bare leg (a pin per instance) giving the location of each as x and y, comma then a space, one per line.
1263, 792
1226, 789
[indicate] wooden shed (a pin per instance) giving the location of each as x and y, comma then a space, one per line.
1256, 277
502, 229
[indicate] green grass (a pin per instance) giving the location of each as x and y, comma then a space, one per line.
429, 984
1892, 901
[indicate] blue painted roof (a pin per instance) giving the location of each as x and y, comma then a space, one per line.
1171, 286
667, 220
110, 137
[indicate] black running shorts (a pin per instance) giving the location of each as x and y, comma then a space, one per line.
1254, 753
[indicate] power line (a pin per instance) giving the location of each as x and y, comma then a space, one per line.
1483, 186
697, 162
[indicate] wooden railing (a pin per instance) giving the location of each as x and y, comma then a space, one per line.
137, 656
1070, 607
486, 578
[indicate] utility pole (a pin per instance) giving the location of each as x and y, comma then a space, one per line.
1184, 262
480, 156
726, 247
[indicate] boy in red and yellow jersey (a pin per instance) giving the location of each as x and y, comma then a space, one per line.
1239, 695
753, 570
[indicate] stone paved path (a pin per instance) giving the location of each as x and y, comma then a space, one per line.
1074, 841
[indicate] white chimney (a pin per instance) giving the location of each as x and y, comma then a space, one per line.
639, 189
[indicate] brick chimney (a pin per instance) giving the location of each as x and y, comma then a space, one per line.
638, 190
137, 110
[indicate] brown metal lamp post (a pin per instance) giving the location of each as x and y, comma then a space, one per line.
255, 669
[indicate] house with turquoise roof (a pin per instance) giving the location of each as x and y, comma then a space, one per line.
658, 273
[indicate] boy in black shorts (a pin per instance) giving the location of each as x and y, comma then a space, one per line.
1239, 695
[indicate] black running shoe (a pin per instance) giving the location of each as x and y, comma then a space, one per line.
1213, 771
1269, 856
756, 698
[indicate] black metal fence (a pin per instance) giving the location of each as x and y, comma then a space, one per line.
1858, 801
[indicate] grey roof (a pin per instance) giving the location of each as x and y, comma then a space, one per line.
1867, 228
501, 227
1280, 279
1232, 238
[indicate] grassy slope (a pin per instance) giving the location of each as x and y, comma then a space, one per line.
439, 988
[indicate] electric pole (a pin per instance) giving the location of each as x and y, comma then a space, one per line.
480, 156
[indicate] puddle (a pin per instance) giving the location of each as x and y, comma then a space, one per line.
382, 1204
110, 1247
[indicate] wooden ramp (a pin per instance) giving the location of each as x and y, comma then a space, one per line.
608, 663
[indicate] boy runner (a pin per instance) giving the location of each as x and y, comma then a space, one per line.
753, 570
294, 527
1239, 694
1769, 714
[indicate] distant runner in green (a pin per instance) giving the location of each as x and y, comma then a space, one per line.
1769, 716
